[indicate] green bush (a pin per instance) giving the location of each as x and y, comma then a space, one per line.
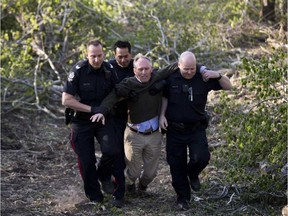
254, 124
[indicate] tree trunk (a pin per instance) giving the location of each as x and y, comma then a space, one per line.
283, 12
268, 10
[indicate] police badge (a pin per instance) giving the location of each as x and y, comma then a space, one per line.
71, 76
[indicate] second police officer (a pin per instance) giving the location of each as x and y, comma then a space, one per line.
89, 82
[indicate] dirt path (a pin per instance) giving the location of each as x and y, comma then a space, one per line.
39, 176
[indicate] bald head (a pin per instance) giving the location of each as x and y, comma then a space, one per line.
186, 57
187, 64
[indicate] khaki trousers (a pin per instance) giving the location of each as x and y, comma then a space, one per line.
142, 153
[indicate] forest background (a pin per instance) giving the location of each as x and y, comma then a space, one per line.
243, 39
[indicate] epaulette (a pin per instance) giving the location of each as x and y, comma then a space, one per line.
107, 69
75, 68
108, 64
80, 64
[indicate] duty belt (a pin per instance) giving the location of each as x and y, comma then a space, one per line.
83, 116
183, 126
147, 132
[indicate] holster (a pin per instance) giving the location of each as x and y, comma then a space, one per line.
69, 113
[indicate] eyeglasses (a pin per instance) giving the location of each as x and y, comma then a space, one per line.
190, 96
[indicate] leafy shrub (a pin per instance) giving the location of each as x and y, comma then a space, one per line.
255, 126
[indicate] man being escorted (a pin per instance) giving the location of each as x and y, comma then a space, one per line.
142, 139
183, 116
89, 82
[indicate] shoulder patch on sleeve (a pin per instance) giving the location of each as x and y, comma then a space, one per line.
71, 76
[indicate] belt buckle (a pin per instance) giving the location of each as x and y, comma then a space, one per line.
149, 131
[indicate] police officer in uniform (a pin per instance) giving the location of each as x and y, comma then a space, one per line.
123, 68
89, 82
183, 116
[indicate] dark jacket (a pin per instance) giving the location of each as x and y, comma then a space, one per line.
146, 105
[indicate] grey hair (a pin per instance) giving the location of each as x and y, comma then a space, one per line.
140, 56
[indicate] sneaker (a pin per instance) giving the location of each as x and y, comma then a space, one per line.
107, 186
118, 203
131, 188
195, 184
182, 205
141, 187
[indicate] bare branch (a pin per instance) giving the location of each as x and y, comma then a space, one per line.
44, 109
64, 17
43, 55
16, 81
35, 80
164, 41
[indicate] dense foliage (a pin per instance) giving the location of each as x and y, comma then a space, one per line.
260, 128
255, 128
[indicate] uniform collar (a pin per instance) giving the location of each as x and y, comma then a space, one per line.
92, 70
178, 75
116, 65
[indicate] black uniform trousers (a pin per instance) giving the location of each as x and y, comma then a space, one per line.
119, 125
176, 149
118, 162
83, 133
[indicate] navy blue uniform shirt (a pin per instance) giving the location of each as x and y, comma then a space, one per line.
120, 108
120, 72
90, 85
187, 98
